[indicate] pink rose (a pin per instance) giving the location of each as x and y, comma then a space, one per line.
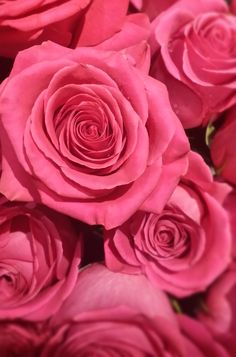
194, 57
152, 7
198, 341
21, 339
88, 134
114, 314
184, 248
223, 148
39, 259
68, 22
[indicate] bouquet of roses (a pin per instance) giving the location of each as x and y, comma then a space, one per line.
118, 178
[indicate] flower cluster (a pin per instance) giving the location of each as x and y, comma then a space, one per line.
117, 178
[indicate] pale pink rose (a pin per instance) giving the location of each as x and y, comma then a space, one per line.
198, 341
193, 46
152, 7
39, 257
114, 314
223, 148
88, 137
67, 22
20, 338
184, 248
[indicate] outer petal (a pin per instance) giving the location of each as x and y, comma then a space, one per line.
95, 291
198, 340
221, 312
136, 28
106, 25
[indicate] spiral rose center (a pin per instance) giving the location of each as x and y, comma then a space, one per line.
90, 131
165, 236
87, 131
219, 33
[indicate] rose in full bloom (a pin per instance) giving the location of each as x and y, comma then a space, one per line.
152, 7
68, 22
184, 248
91, 137
111, 314
195, 58
223, 148
39, 258
20, 338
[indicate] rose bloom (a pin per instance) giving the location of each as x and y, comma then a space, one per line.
223, 148
69, 23
39, 259
152, 7
195, 58
114, 315
88, 134
20, 338
185, 247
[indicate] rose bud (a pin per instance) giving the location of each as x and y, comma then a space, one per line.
39, 258
195, 58
223, 148
184, 248
111, 314
83, 139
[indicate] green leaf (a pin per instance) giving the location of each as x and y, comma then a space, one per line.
176, 306
208, 134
